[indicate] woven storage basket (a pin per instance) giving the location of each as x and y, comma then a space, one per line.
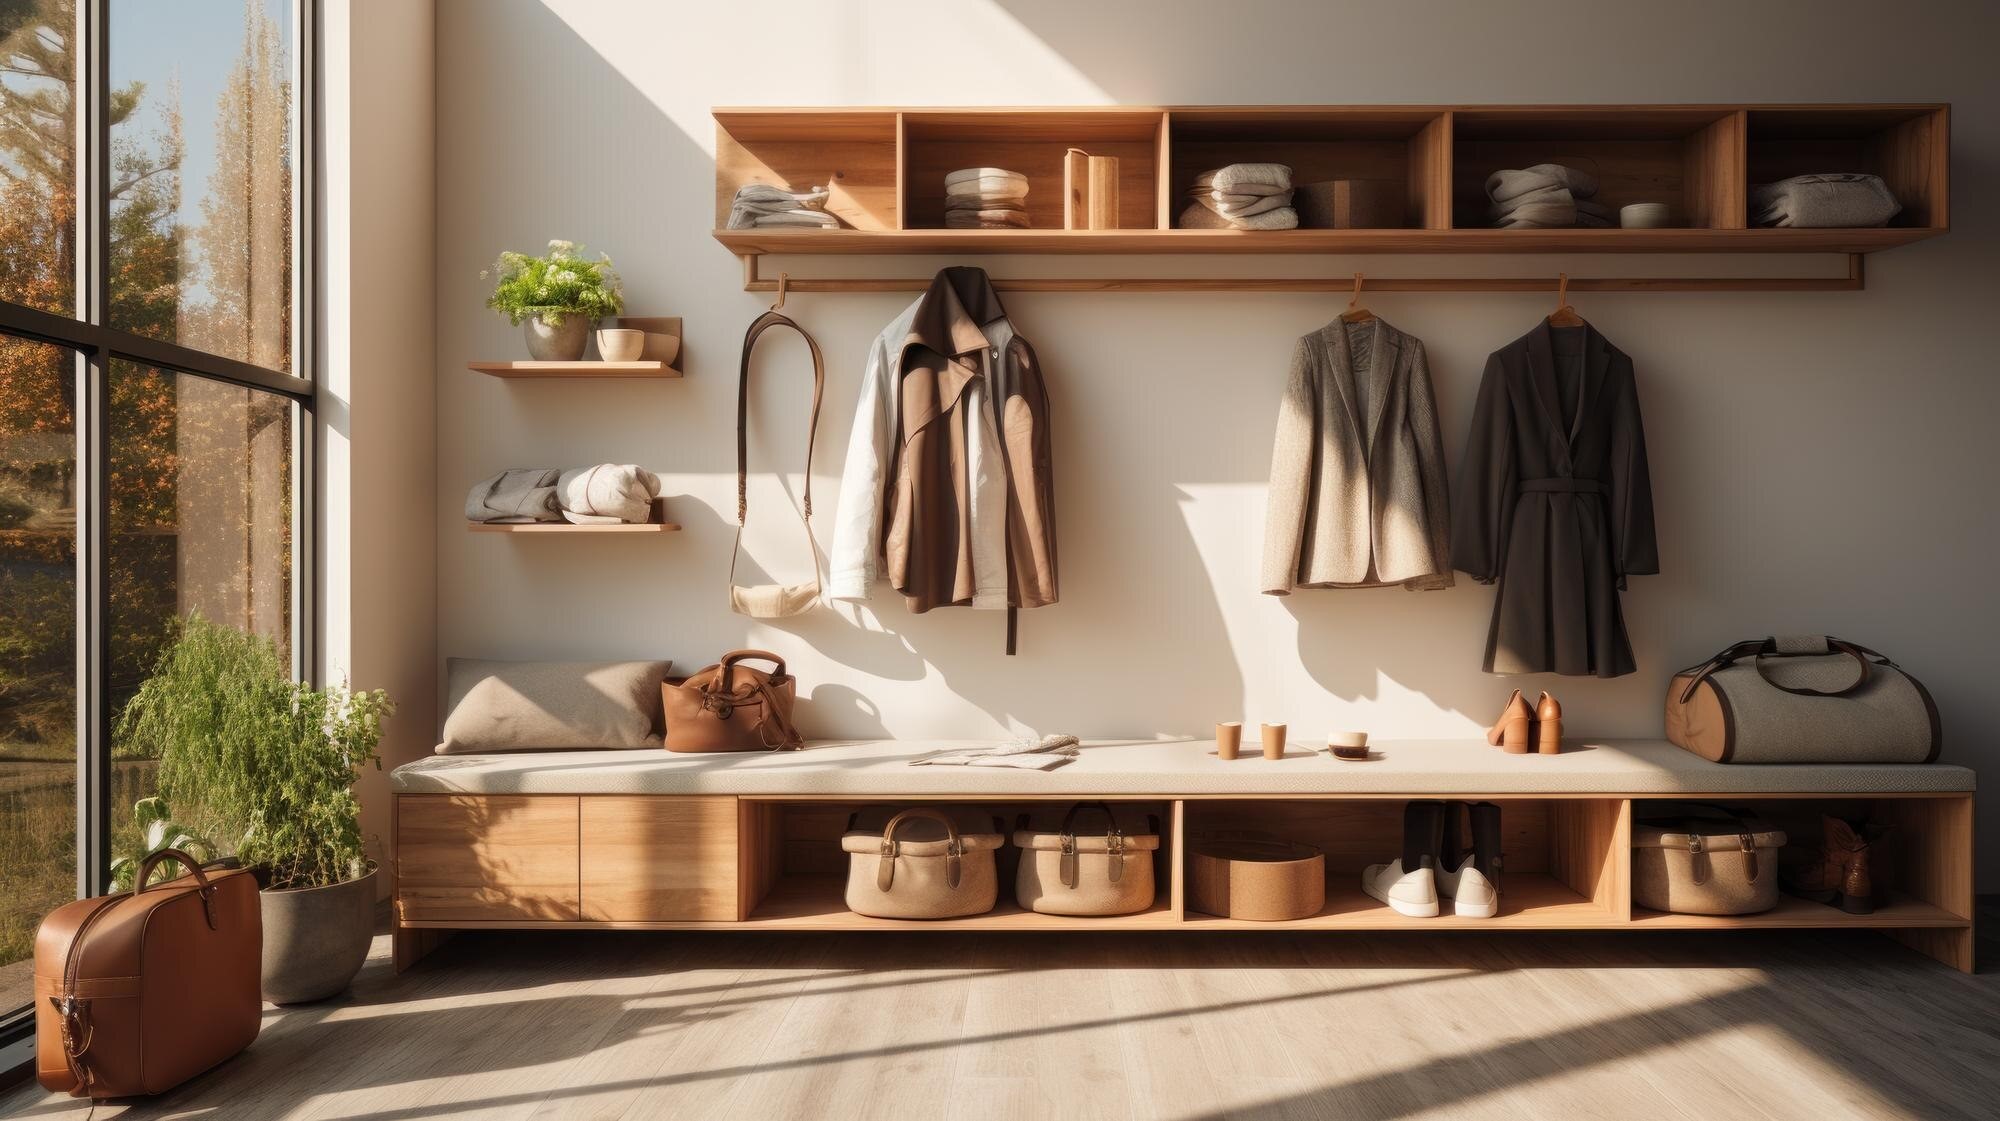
1706, 866
1240, 875
1067, 871
922, 864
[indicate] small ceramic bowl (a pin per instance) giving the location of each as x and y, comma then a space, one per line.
1643, 216
1348, 745
620, 344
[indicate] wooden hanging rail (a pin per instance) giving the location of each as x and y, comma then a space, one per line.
1854, 281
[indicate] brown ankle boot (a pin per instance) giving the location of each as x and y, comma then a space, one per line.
1548, 725
1511, 730
1839, 874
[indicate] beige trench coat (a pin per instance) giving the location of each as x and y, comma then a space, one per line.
1358, 485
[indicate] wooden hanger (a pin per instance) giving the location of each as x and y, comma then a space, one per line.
1355, 313
784, 283
1564, 315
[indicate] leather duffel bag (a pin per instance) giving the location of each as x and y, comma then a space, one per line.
138, 992
728, 707
1802, 699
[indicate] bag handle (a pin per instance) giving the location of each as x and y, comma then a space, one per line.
728, 662
758, 326
1114, 842
885, 869
1790, 647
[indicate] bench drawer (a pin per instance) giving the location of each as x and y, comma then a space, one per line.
486, 857
659, 859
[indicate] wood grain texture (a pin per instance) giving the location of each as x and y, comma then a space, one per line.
1254, 242
571, 370
487, 857
1430, 175
659, 858
1590, 850
567, 528
852, 154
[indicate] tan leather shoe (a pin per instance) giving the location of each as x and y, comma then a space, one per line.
1839, 874
1511, 730
1548, 725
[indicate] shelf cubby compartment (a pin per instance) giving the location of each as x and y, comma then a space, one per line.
1904, 144
1409, 146
853, 153
938, 142
1563, 861
794, 871
1683, 157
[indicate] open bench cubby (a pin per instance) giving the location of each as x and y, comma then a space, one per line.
668, 862
886, 166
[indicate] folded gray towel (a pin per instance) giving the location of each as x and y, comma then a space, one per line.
1837, 200
755, 204
967, 174
1201, 216
1503, 186
987, 220
990, 188
980, 202
1250, 177
518, 494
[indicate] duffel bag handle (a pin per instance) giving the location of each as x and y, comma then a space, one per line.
723, 668
885, 870
1790, 647
147, 865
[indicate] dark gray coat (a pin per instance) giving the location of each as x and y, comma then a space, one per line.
1555, 503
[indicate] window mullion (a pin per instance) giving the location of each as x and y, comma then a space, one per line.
93, 380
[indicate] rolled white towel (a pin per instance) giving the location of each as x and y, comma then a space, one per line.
607, 494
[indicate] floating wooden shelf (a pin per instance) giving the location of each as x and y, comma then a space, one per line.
566, 527
884, 168
642, 369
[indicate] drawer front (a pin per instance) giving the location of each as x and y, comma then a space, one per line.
486, 857
659, 859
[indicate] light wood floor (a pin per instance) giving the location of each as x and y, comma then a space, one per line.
776, 1026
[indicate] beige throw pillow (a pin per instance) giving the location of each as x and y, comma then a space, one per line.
550, 706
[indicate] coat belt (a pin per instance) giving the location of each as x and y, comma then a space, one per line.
1564, 486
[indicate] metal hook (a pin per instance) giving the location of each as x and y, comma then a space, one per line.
1562, 291
784, 283
1356, 301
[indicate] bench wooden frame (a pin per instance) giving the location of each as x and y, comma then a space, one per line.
769, 862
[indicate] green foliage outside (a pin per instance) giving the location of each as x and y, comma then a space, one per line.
560, 284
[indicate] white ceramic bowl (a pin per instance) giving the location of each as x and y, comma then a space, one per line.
620, 344
1643, 216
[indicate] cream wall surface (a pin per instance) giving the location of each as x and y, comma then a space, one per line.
1820, 462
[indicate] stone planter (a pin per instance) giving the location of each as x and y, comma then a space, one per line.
562, 343
315, 938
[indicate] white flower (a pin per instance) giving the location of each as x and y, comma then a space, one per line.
562, 248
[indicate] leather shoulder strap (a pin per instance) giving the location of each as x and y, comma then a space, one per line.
757, 327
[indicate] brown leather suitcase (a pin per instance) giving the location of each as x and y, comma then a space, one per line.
139, 992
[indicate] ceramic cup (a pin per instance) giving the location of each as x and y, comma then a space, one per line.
1228, 739
620, 344
1643, 216
1272, 736
1348, 745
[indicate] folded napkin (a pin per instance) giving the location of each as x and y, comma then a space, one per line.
1840, 200
1545, 196
1258, 178
518, 494
1040, 753
970, 174
1201, 216
987, 187
607, 494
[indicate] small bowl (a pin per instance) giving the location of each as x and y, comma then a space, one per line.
1643, 216
1348, 745
620, 344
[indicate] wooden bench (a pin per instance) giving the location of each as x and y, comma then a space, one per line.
657, 841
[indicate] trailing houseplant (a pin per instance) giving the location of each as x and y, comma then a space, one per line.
266, 765
557, 297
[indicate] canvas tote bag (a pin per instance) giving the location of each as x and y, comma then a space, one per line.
773, 601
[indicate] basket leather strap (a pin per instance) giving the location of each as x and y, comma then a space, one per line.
885, 868
1114, 843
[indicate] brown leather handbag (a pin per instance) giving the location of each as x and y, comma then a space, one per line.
138, 992
728, 707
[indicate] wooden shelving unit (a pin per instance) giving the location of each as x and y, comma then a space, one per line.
567, 528
885, 169
575, 369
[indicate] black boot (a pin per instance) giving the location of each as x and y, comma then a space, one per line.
1423, 835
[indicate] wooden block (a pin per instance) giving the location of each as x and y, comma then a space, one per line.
486, 857
1090, 191
658, 858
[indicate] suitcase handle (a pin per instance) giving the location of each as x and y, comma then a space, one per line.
202, 885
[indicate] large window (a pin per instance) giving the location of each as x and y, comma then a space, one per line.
154, 407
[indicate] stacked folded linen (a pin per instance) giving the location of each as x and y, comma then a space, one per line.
1837, 200
605, 494
762, 206
1035, 753
1546, 196
985, 198
1242, 196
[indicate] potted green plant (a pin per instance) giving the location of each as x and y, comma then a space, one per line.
251, 758
556, 297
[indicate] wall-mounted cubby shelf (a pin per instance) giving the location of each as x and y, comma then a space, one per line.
565, 527
885, 169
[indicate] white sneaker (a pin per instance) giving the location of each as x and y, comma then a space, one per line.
1472, 895
1407, 893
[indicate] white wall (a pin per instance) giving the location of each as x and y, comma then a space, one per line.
377, 405
1821, 462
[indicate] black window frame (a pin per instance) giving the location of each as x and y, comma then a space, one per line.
97, 346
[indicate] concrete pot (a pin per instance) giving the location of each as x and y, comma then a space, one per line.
315, 938
563, 343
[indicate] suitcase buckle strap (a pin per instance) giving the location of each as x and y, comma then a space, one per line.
77, 1034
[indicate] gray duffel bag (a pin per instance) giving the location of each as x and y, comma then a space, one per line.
1802, 699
